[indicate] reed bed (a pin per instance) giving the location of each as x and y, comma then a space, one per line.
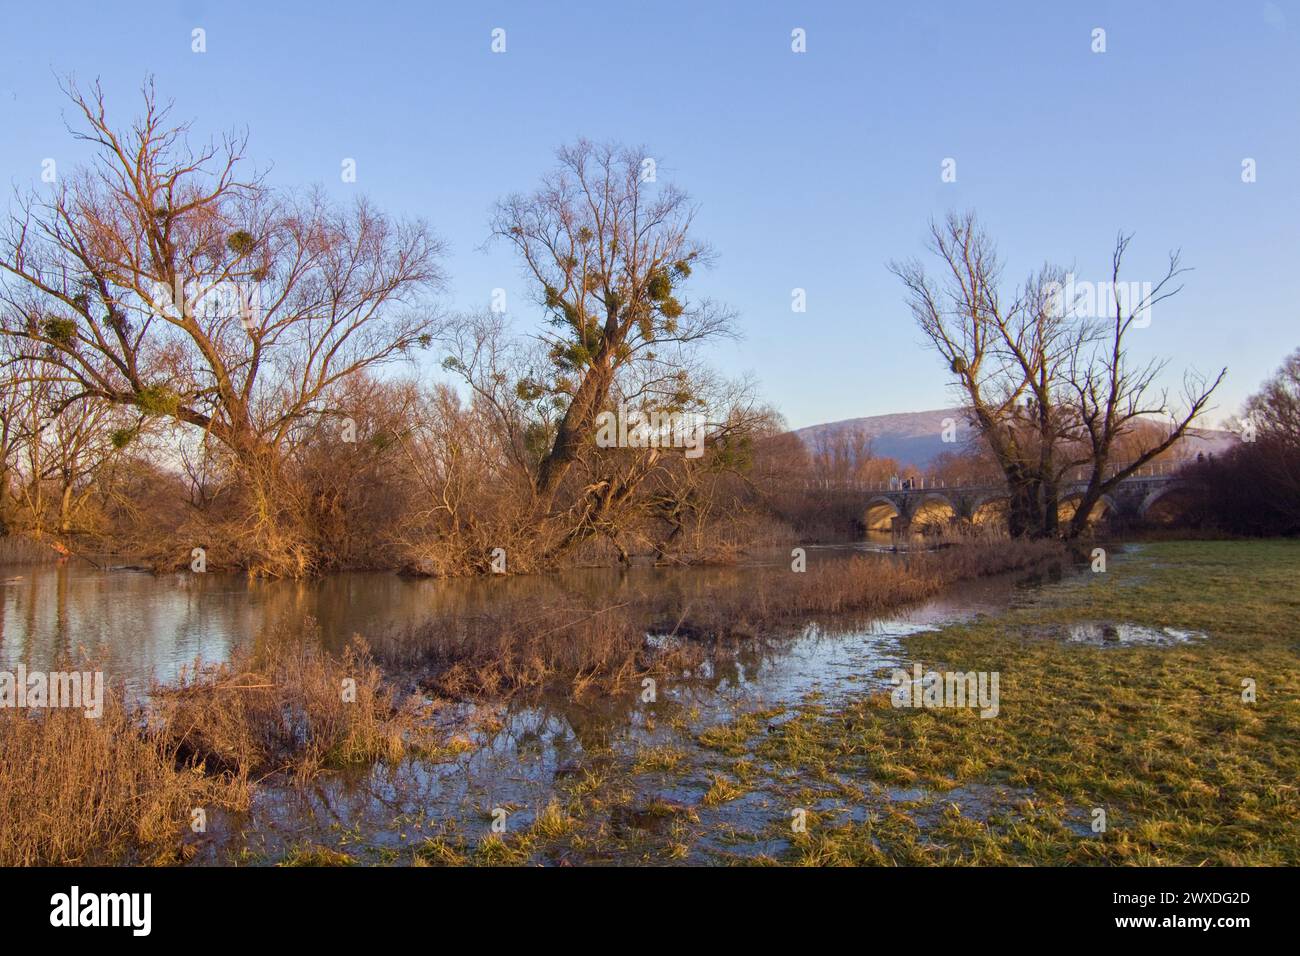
79, 791
123, 787
517, 645
286, 706
15, 550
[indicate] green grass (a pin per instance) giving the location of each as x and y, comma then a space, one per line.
1159, 738
314, 855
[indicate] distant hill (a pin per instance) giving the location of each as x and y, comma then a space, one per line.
915, 438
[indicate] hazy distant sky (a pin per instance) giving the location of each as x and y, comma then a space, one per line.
811, 170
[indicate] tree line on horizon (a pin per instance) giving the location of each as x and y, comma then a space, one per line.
192, 358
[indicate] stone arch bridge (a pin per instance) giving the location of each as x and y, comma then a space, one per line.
898, 503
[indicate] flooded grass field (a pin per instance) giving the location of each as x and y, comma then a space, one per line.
1121, 702
621, 778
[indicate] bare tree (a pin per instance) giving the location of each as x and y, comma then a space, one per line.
1048, 386
1274, 413
1275, 408
53, 450
690, 500
624, 490
841, 455
13, 399
161, 276
1006, 357
1112, 399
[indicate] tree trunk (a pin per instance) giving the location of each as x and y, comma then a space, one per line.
578, 420
1023, 509
1091, 495
65, 510
1051, 504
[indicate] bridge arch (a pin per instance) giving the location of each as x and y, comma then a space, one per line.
917, 508
880, 512
920, 506
1166, 502
1155, 494
933, 508
1105, 507
991, 508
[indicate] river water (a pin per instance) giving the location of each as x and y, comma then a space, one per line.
142, 627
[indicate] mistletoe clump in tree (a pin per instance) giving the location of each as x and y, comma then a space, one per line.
608, 252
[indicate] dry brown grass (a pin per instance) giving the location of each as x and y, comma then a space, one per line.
121, 787
288, 706
518, 646
17, 549
75, 790
858, 585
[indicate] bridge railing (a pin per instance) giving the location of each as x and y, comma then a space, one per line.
1156, 469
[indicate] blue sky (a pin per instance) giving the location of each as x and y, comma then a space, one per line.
811, 170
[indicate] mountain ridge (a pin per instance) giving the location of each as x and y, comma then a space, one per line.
916, 438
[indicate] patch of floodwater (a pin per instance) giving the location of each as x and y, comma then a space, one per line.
519, 754
1110, 634
816, 661
831, 661
741, 829
749, 826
